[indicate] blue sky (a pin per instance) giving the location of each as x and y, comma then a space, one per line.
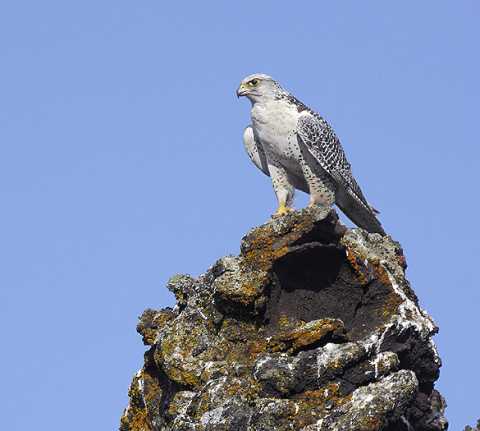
123, 164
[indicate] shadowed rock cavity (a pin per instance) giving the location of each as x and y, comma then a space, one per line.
316, 281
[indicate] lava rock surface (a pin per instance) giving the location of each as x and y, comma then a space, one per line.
312, 327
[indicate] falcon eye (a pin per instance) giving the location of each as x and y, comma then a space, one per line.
253, 82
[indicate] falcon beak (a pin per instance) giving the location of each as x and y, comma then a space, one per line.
242, 91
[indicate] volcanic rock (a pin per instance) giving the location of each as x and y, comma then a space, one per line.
312, 327
469, 428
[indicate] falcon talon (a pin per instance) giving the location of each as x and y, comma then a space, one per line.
297, 149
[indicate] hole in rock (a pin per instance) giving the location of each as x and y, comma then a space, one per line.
316, 281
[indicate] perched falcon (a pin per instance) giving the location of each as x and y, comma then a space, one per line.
297, 149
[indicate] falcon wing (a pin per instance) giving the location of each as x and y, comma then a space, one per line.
255, 150
323, 144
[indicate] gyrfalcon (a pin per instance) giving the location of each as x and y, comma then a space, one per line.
297, 149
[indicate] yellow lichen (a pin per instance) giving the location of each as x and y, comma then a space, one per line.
143, 398
305, 335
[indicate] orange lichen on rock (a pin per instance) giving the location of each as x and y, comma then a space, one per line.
151, 321
381, 273
305, 335
354, 262
145, 393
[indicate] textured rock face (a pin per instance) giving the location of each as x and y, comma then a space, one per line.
312, 327
469, 428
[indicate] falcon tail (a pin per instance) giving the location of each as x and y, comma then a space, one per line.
360, 215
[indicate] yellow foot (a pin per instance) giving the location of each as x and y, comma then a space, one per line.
282, 209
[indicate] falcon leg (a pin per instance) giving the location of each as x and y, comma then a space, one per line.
320, 201
283, 197
281, 184
320, 184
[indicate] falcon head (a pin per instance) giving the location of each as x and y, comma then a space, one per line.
258, 86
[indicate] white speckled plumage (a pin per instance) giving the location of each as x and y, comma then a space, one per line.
298, 150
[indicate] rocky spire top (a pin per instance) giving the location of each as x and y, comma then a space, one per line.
312, 327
